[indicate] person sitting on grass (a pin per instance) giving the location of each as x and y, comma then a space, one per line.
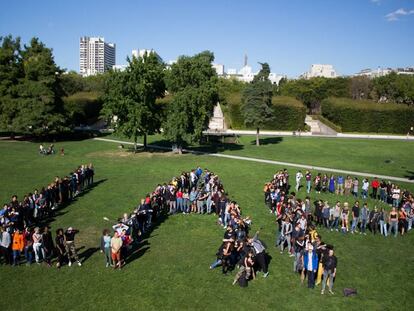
246, 268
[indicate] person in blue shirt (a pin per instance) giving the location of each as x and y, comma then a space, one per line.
340, 184
310, 264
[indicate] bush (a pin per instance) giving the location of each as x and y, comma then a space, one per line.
289, 113
367, 116
83, 107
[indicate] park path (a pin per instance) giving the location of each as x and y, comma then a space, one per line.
273, 162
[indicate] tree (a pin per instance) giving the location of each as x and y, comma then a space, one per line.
360, 87
193, 84
11, 70
395, 87
257, 101
72, 83
37, 107
130, 97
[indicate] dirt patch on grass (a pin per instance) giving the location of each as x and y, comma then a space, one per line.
124, 153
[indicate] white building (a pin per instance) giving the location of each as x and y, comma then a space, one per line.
380, 72
219, 69
95, 55
319, 70
246, 74
119, 67
141, 53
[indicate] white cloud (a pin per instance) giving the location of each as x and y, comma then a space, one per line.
395, 16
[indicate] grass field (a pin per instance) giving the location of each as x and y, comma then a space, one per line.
387, 157
171, 269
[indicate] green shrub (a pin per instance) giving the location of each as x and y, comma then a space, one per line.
289, 113
83, 107
368, 116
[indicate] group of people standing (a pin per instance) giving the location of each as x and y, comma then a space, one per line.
22, 223
343, 216
385, 191
198, 191
297, 235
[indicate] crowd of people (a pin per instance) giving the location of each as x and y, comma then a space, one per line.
23, 224
298, 236
341, 216
196, 192
299, 219
384, 191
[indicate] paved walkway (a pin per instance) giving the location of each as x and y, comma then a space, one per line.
309, 134
304, 166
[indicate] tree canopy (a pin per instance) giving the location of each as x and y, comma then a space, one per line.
130, 97
257, 101
30, 89
193, 84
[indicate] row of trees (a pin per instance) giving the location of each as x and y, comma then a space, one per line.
34, 94
390, 88
130, 98
37, 98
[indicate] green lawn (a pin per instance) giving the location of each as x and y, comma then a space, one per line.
171, 270
387, 157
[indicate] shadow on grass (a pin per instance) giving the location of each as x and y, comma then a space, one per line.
268, 141
409, 175
84, 255
140, 248
59, 211
70, 136
208, 147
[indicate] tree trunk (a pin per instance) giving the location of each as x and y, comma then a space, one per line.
135, 143
145, 141
257, 137
180, 149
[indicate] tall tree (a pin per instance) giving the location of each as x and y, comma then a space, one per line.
38, 108
193, 84
11, 71
130, 97
257, 101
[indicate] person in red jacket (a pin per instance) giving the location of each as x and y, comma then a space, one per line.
17, 246
375, 185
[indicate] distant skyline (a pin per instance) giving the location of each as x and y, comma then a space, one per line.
289, 35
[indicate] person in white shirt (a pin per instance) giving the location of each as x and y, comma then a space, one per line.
365, 186
299, 176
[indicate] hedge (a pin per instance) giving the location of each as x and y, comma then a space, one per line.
368, 116
289, 113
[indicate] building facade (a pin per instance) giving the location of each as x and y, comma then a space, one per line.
219, 69
95, 55
380, 72
320, 70
141, 53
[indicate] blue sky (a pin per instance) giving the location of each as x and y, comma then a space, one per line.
290, 35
